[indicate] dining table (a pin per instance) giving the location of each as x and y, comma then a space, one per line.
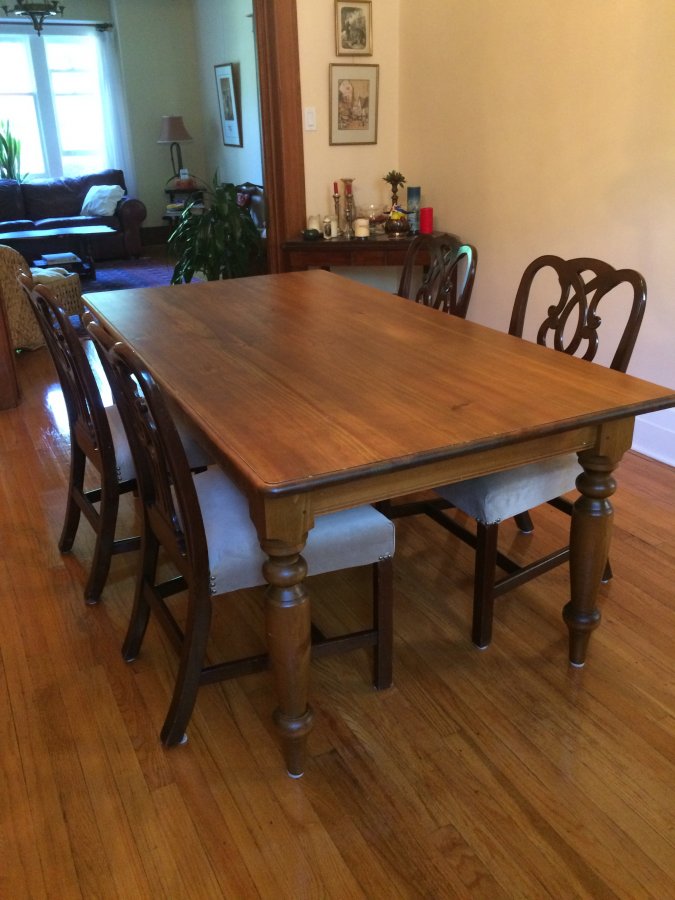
317, 393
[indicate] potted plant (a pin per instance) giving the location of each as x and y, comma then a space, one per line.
10, 154
396, 222
215, 236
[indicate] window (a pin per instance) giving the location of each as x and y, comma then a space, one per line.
51, 91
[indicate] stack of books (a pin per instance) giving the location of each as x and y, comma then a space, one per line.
57, 259
174, 210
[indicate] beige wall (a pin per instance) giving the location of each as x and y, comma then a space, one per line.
169, 49
225, 35
533, 126
366, 163
156, 40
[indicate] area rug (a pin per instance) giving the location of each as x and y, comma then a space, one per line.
118, 274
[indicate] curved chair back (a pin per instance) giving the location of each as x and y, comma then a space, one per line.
86, 411
165, 483
571, 325
449, 269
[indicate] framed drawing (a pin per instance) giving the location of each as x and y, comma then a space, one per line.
227, 86
353, 28
353, 104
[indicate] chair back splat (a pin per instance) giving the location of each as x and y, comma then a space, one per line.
447, 273
572, 324
203, 527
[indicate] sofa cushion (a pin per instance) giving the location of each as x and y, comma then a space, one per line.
11, 201
77, 222
16, 225
63, 197
102, 200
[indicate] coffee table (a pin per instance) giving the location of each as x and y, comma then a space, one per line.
75, 238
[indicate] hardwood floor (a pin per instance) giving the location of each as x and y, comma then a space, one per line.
493, 774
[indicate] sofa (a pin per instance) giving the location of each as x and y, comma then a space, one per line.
58, 203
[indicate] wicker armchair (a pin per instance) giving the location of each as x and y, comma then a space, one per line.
24, 331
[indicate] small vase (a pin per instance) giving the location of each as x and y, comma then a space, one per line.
396, 226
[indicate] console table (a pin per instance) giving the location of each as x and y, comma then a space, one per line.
377, 250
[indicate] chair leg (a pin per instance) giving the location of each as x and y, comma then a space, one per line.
524, 523
76, 485
484, 580
607, 575
105, 540
383, 622
193, 653
140, 613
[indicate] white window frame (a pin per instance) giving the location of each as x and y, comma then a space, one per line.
116, 150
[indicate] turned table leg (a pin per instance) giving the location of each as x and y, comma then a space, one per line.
590, 533
288, 626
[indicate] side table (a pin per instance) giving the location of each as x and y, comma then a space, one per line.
376, 250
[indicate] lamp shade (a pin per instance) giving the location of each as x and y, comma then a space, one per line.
173, 129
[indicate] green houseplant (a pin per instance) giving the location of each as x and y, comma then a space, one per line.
217, 241
10, 153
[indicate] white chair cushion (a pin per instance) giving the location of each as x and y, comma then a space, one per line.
492, 498
341, 540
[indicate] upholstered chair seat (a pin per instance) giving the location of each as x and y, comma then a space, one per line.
349, 538
491, 499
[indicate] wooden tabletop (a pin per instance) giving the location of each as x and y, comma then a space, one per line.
307, 378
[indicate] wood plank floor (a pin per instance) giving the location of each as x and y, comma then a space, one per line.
496, 774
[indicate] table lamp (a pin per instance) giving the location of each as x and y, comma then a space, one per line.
173, 131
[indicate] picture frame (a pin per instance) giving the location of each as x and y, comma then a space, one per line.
353, 28
353, 93
227, 87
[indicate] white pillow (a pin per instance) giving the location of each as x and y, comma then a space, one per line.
101, 200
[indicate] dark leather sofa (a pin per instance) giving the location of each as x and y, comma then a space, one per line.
56, 203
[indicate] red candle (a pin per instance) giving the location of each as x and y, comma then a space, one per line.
348, 187
426, 220
335, 190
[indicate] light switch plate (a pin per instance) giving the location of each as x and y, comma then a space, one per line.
310, 118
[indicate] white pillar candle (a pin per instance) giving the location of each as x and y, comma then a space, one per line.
361, 228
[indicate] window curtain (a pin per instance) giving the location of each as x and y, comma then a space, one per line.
117, 131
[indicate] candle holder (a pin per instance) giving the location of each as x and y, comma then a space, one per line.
336, 203
349, 208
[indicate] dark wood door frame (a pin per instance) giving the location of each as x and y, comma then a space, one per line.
276, 30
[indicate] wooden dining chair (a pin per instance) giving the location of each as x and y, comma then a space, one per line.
570, 325
202, 525
439, 271
97, 438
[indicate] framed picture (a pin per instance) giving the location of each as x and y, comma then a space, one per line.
353, 28
353, 104
227, 86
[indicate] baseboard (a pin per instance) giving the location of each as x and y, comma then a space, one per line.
654, 436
